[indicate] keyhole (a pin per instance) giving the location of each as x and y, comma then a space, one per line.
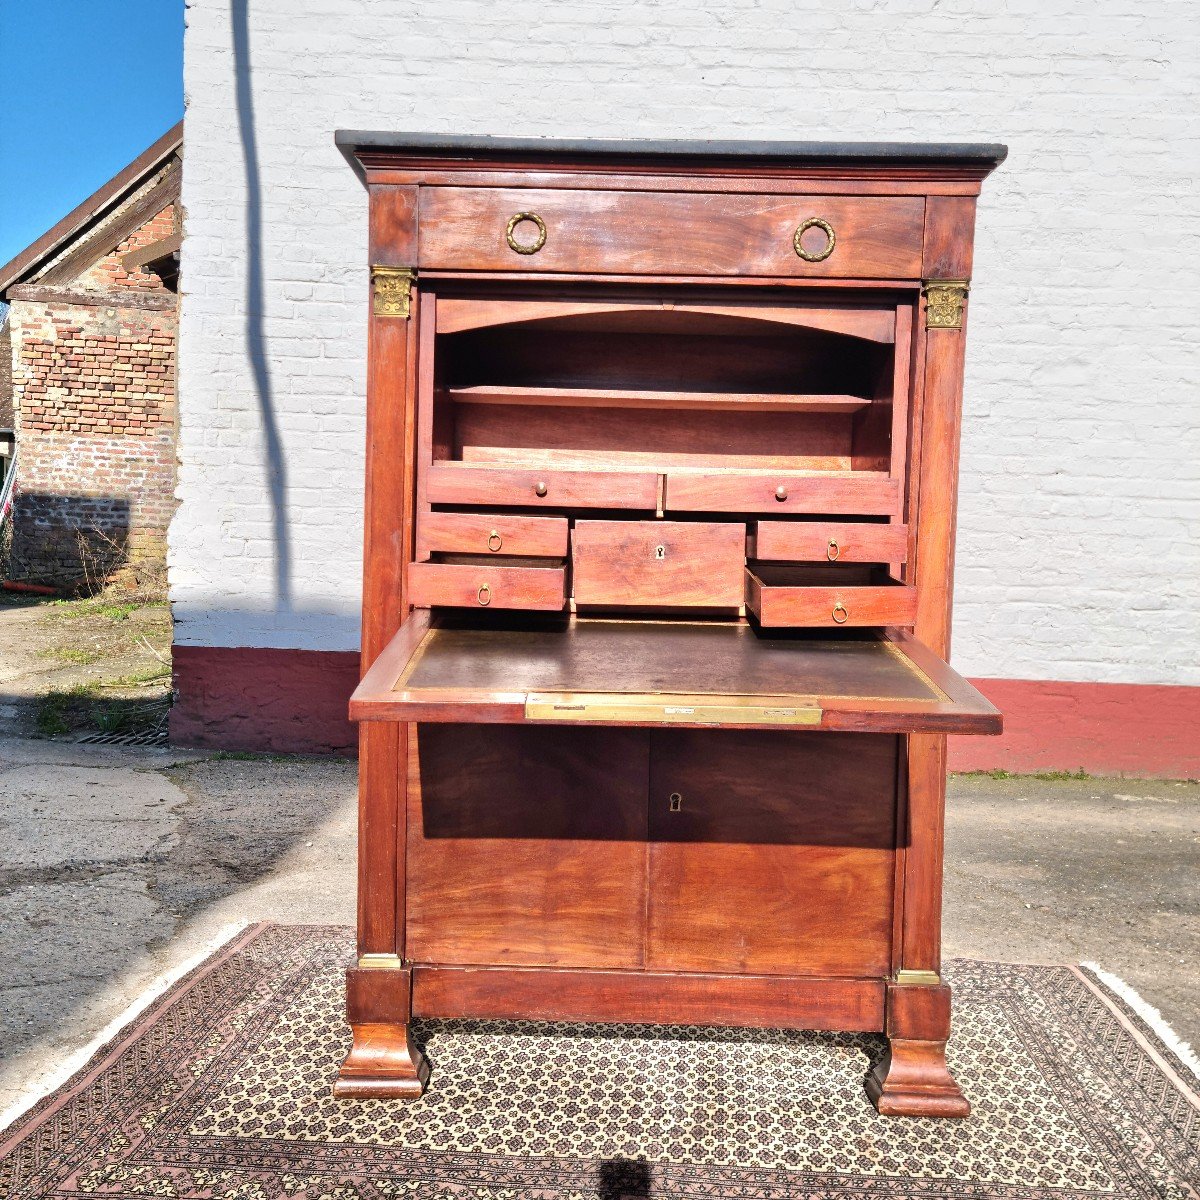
676, 802
660, 552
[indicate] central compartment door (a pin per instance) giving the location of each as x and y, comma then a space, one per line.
771, 852
526, 845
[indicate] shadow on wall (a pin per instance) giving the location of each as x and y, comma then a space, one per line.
256, 346
73, 543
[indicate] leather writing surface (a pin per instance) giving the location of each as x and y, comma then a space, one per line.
671, 657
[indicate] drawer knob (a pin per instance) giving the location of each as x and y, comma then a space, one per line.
484, 595
495, 541
822, 252
840, 614
510, 233
833, 551
540, 488
781, 493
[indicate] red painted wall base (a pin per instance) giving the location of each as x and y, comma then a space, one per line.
294, 701
286, 701
1142, 729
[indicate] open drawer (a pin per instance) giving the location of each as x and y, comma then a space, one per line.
668, 673
786, 595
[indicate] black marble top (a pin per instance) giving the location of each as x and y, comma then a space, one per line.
987, 155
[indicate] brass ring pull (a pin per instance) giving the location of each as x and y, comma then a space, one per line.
484, 595
830, 239
839, 607
495, 541
833, 551
522, 247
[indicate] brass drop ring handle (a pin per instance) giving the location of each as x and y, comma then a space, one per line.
495, 541
484, 595
525, 247
830, 239
839, 607
833, 551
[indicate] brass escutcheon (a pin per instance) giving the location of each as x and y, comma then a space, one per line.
675, 804
839, 607
833, 551
484, 595
533, 247
830, 239
495, 541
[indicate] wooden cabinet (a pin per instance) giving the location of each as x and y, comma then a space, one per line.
661, 471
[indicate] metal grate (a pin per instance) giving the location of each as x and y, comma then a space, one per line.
140, 737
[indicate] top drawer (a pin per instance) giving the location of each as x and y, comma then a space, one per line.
670, 233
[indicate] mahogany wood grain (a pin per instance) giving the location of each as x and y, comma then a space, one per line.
487, 585
828, 541
891, 179
715, 401
779, 858
616, 231
648, 997
383, 1062
491, 534
784, 595
651, 439
389, 470
864, 493
463, 484
392, 233
671, 564
527, 846
949, 229
459, 314
913, 1080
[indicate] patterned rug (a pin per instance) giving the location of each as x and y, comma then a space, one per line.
221, 1089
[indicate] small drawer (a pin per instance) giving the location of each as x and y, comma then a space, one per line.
823, 541
781, 596
487, 585
519, 488
868, 494
498, 533
659, 564
671, 233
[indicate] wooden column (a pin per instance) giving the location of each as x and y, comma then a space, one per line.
913, 1079
383, 1061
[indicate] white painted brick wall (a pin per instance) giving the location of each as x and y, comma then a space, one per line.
1079, 534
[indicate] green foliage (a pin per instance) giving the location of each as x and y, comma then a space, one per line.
1046, 776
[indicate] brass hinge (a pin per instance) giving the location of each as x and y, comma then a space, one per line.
392, 288
918, 978
944, 300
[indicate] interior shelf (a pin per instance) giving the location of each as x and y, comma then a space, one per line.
716, 401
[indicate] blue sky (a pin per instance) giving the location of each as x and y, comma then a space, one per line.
87, 86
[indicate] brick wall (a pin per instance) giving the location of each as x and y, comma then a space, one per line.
1079, 537
94, 387
109, 272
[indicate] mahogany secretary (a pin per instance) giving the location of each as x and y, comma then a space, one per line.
661, 479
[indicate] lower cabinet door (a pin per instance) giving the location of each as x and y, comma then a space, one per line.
771, 853
527, 845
